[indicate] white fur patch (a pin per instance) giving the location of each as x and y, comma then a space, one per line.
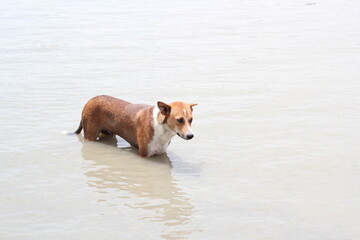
162, 135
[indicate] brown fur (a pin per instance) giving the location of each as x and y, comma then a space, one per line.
114, 116
132, 122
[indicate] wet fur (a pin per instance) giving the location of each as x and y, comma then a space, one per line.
145, 127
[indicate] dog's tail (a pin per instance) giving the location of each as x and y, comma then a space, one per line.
79, 129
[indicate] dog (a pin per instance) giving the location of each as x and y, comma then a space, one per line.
148, 128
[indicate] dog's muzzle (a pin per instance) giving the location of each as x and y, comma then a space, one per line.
186, 136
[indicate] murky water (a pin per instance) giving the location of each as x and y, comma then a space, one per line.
277, 129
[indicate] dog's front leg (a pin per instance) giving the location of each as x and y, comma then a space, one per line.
143, 151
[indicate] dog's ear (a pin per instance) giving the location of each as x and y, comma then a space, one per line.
192, 104
164, 108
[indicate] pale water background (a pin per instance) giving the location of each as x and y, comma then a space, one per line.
276, 153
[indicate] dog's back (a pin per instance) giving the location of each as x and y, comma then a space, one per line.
112, 115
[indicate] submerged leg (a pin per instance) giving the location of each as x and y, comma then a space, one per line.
143, 151
106, 132
91, 131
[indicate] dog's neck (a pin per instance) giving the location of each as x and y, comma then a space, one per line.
160, 126
162, 134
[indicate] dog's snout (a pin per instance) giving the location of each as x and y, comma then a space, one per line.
189, 136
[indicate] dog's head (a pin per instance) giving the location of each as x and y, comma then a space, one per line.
178, 116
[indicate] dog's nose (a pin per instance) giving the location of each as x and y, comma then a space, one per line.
189, 136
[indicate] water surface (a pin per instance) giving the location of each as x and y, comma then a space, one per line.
276, 148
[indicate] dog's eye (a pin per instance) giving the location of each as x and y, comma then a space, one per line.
190, 120
180, 120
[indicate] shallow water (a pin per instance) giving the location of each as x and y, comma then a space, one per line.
276, 148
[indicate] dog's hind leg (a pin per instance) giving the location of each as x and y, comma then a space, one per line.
91, 131
106, 132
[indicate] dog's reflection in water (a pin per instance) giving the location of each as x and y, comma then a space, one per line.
116, 169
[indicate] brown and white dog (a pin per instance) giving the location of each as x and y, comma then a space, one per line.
145, 127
